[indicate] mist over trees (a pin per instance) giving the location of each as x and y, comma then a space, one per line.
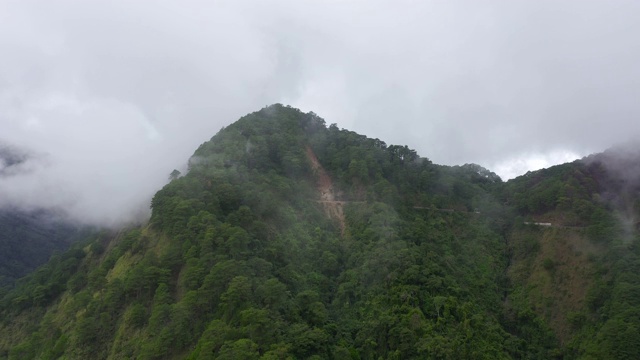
288, 238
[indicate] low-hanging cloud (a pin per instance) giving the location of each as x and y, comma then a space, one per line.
108, 97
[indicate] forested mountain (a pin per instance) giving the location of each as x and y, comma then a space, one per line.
28, 239
291, 239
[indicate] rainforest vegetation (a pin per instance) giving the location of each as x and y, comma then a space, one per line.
288, 238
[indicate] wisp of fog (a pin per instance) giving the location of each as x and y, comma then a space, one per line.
106, 98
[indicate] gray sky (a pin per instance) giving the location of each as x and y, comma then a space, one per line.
108, 97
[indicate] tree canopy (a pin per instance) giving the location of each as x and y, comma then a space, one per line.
244, 257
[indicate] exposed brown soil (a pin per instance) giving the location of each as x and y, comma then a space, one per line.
332, 207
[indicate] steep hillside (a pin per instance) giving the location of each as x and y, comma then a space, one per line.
291, 239
578, 271
241, 260
28, 239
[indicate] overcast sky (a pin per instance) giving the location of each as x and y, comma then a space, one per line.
108, 97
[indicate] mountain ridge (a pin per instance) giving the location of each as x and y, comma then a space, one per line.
243, 258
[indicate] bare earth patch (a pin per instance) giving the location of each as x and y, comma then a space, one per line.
333, 208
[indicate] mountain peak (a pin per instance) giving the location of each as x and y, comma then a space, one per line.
288, 238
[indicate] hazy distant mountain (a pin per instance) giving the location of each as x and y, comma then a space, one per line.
28, 239
291, 239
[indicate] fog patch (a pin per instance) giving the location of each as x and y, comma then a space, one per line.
621, 183
117, 94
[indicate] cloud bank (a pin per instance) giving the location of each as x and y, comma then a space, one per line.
108, 97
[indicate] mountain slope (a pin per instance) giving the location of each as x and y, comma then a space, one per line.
28, 239
579, 274
290, 239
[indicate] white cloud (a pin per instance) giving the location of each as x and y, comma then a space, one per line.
113, 95
516, 166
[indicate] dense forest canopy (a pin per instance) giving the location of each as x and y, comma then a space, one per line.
290, 239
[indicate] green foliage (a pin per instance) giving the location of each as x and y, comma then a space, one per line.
240, 261
548, 264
